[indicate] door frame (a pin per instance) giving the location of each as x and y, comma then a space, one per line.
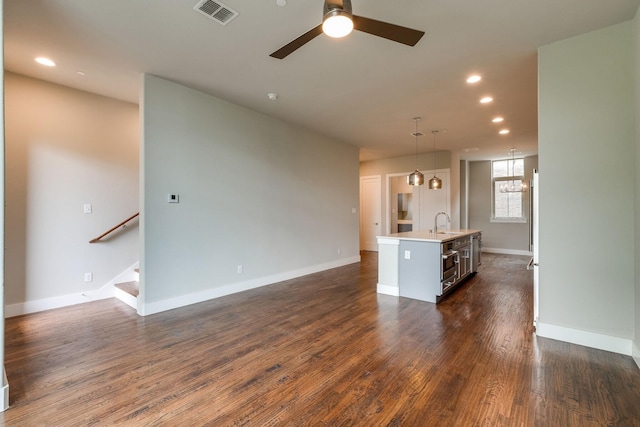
387, 211
387, 199
378, 178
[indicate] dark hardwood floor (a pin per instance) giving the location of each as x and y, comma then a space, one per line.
324, 349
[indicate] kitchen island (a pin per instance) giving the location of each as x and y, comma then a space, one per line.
424, 265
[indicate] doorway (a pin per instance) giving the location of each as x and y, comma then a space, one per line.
416, 206
370, 212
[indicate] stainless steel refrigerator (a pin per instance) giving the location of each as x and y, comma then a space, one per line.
534, 264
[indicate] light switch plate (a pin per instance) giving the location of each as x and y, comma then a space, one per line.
87, 208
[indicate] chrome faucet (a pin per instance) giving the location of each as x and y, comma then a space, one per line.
435, 227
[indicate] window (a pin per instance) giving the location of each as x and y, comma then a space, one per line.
507, 206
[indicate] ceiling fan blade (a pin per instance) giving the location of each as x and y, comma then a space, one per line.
288, 49
388, 31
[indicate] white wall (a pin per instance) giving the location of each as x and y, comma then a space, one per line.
254, 191
407, 164
65, 148
4, 395
586, 158
636, 73
501, 237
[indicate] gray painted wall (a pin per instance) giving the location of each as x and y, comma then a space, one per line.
508, 237
65, 148
636, 73
586, 155
464, 194
5, 399
254, 191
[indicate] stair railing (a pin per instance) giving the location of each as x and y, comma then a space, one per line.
111, 230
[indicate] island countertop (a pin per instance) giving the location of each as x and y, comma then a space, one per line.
426, 236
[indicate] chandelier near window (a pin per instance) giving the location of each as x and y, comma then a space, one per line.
417, 177
435, 183
513, 185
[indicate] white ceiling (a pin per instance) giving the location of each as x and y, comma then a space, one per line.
362, 89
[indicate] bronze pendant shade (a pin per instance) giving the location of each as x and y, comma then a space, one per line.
417, 177
435, 183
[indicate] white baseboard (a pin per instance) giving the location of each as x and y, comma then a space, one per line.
636, 354
506, 251
587, 339
388, 290
4, 393
194, 298
105, 291
35, 306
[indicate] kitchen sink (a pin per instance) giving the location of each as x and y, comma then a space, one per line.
451, 233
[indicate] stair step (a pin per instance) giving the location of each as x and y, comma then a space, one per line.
129, 287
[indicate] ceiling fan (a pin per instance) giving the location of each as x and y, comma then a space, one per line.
338, 21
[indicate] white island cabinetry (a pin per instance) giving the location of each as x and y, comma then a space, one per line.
426, 266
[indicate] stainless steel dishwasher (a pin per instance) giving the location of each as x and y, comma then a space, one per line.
476, 251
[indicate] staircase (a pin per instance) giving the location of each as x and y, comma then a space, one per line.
127, 292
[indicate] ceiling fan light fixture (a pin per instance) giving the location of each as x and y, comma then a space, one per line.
338, 20
337, 23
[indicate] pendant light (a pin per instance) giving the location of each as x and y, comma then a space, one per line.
435, 183
416, 178
513, 186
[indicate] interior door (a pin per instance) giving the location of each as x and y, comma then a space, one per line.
370, 212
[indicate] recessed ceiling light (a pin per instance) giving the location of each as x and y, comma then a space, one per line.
474, 79
281, 3
272, 96
45, 61
497, 119
486, 100
470, 150
81, 73
504, 131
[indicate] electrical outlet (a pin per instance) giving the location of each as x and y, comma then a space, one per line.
239, 269
407, 254
88, 277
339, 251
87, 208
173, 198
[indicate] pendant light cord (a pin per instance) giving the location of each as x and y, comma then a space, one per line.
434, 151
416, 135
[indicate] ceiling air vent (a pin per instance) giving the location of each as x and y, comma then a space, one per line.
217, 11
